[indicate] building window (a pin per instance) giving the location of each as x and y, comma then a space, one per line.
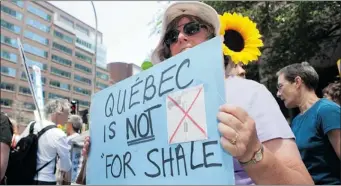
84, 43
18, 3
7, 86
61, 60
39, 13
83, 103
36, 51
6, 102
82, 29
11, 12
29, 106
82, 79
9, 56
10, 26
83, 57
81, 90
8, 71
31, 62
66, 21
60, 85
57, 96
36, 37
102, 76
101, 85
62, 36
9, 41
25, 90
82, 68
62, 48
59, 72
38, 25
23, 76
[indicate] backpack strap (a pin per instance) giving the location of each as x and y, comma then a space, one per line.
46, 164
40, 133
32, 127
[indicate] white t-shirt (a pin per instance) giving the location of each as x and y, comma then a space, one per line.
51, 143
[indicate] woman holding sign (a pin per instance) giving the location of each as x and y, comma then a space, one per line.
258, 137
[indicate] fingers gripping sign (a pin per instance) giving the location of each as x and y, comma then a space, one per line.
238, 132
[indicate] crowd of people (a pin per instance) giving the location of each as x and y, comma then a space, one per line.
265, 148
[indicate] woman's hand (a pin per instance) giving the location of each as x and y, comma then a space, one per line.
238, 133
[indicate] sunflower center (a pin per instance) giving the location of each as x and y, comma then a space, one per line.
234, 40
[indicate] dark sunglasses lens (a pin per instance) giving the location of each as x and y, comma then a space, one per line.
171, 37
191, 28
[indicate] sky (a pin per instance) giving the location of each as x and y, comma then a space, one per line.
124, 25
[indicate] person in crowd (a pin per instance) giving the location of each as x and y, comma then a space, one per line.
16, 134
233, 69
6, 133
333, 92
317, 127
52, 143
248, 129
73, 127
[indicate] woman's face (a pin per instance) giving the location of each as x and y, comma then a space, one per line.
185, 41
233, 69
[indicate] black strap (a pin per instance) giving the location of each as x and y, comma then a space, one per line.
46, 164
40, 133
32, 127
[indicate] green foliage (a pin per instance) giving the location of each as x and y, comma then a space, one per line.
292, 31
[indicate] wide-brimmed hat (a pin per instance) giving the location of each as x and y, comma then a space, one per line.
198, 9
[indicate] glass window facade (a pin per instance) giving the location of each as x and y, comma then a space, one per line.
38, 25
82, 29
62, 48
101, 85
9, 41
24, 90
102, 76
81, 90
61, 60
6, 102
18, 3
62, 36
36, 51
83, 103
59, 72
11, 12
8, 71
9, 56
29, 106
82, 79
83, 57
10, 26
66, 21
7, 86
31, 62
60, 85
35, 37
82, 68
56, 96
38, 12
84, 43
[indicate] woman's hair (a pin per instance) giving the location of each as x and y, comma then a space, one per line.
304, 70
56, 106
334, 91
165, 52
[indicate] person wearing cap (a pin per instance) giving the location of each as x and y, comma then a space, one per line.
258, 137
73, 127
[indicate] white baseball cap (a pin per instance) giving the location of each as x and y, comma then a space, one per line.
198, 9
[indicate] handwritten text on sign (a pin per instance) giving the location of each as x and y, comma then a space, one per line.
160, 126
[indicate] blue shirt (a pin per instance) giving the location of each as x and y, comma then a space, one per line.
318, 154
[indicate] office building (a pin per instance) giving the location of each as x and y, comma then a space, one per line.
61, 45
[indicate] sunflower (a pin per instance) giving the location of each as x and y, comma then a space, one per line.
241, 38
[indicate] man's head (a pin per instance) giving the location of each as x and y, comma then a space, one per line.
57, 110
333, 92
185, 25
74, 124
295, 81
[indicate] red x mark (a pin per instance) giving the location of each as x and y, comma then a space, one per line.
186, 115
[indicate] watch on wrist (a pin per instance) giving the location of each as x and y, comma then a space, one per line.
258, 156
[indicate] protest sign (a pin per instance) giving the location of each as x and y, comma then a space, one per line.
160, 126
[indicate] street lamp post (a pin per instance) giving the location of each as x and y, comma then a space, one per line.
95, 66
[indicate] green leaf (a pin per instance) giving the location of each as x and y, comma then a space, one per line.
146, 65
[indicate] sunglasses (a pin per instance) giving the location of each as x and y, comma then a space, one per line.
189, 29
